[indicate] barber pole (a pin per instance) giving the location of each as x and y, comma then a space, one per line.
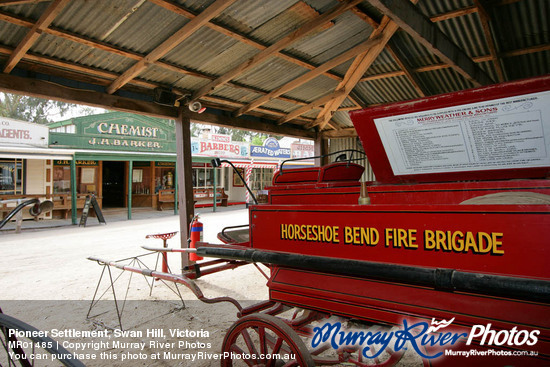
247, 178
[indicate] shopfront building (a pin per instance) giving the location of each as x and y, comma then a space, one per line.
122, 159
26, 164
129, 161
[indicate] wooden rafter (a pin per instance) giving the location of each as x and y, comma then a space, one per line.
408, 72
19, 2
485, 19
225, 103
223, 29
129, 54
453, 14
300, 111
410, 19
385, 30
276, 47
173, 41
32, 35
351, 53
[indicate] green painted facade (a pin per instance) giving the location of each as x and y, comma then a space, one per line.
115, 132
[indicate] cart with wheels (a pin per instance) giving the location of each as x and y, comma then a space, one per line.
446, 252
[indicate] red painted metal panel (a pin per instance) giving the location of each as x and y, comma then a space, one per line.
385, 302
498, 239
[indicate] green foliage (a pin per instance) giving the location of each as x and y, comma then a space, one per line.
31, 109
255, 138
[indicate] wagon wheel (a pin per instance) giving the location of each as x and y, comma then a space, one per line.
264, 340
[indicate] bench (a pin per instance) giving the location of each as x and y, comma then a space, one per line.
10, 202
206, 196
62, 204
165, 196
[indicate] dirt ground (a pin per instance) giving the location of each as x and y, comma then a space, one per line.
47, 281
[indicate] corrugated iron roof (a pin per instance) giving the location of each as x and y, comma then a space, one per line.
98, 41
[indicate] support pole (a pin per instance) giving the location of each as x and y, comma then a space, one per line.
185, 180
215, 186
130, 172
73, 191
320, 148
176, 187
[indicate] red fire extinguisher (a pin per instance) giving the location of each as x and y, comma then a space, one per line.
196, 236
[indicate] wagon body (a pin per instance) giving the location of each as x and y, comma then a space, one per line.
441, 238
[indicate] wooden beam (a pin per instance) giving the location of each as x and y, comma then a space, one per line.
247, 124
226, 104
48, 90
276, 47
100, 77
223, 29
408, 17
300, 111
409, 73
357, 69
131, 55
19, 2
320, 149
453, 14
527, 50
309, 75
362, 62
32, 35
343, 133
485, 25
189, 28
184, 166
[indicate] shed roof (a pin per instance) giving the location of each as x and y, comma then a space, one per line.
291, 66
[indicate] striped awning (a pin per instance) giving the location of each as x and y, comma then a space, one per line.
253, 164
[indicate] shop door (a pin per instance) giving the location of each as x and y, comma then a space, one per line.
113, 184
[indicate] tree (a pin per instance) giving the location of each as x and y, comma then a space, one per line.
37, 110
252, 137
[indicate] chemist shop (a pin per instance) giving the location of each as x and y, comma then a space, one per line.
128, 160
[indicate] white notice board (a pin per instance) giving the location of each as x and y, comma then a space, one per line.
511, 132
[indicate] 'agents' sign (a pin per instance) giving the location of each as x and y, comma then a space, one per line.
20, 132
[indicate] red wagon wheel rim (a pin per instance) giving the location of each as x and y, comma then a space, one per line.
256, 339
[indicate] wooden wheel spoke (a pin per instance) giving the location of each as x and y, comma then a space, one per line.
263, 340
277, 346
270, 336
249, 342
235, 349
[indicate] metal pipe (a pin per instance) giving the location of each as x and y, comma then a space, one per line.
450, 280
17, 209
181, 279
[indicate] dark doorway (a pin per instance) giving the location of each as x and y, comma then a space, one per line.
113, 184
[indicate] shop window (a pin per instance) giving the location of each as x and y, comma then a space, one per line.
203, 177
61, 179
87, 179
141, 180
164, 178
11, 176
261, 178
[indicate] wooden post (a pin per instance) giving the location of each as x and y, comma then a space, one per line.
320, 148
176, 188
73, 191
185, 180
130, 172
215, 186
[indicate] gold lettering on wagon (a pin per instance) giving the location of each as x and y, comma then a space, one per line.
480, 243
